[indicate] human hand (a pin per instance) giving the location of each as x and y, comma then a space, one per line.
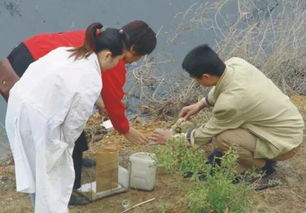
192, 109
160, 136
103, 112
135, 137
101, 107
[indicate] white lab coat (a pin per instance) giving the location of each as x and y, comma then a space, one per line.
47, 111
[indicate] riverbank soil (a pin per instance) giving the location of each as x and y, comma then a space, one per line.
170, 189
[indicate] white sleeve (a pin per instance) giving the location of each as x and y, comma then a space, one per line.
77, 116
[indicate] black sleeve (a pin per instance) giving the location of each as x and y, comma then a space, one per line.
20, 58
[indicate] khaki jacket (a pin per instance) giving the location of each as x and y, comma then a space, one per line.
245, 98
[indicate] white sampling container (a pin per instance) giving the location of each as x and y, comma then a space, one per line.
142, 170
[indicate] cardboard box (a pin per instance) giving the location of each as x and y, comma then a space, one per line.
107, 163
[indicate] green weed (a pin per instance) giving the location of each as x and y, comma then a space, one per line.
218, 193
176, 156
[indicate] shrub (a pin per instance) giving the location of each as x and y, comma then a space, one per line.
218, 193
176, 156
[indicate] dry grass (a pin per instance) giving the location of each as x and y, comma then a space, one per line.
269, 34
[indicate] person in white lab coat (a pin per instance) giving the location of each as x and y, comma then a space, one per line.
48, 109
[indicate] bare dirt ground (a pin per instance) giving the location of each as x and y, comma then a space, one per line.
170, 189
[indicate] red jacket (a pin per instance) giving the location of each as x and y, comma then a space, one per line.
113, 79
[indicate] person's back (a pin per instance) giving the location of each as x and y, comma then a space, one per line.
244, 97
47, 73
41, 44
251, 84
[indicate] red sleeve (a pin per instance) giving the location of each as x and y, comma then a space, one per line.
112, 94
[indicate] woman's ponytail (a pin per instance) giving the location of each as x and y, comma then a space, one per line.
111, 39
88, 46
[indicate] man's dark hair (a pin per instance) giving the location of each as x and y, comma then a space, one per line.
203, 60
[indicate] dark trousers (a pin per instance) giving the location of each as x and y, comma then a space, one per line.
77, 156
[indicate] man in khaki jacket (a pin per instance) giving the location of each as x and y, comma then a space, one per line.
249, 111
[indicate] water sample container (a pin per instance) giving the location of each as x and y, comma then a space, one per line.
142, 170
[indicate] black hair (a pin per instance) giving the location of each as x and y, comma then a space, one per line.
141, 36
203, 60
112, 39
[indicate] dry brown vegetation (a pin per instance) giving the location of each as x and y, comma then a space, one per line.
269, 34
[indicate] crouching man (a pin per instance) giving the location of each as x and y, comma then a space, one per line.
249, 112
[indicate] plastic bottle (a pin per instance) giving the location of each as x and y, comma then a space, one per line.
142, 171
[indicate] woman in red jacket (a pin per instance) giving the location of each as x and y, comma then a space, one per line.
142, 41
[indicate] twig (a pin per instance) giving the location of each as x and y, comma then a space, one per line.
139, 204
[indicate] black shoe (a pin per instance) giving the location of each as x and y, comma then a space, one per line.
265, 173
214, 158
201, 176
269, 168
88, 162
76, 200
